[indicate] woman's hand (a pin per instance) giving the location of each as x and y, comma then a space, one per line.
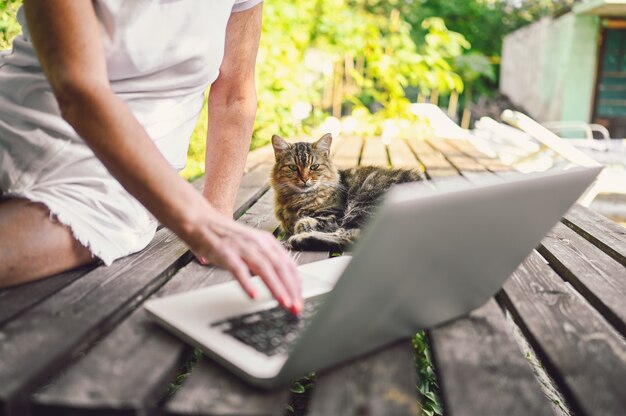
242, 249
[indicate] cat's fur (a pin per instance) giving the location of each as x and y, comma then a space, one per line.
319, 206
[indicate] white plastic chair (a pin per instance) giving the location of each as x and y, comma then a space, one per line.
612, 181
587, 129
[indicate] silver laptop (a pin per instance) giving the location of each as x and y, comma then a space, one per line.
427, 257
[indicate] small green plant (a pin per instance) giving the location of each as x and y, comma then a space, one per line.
300, 395
173, 387
428, 387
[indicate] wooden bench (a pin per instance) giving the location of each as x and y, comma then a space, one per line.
80, 343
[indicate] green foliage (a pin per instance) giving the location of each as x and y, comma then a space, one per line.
301, 391
483, 22
304, 44
197, 147
9, 28
184, 372
393, 62
428, 388
307, 48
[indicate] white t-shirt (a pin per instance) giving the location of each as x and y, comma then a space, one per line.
160, 55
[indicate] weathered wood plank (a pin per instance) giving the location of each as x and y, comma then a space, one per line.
134, 347
374, 153
211, 390
43, 339
79, 313
348, 154
435, 163
16, 300
402, 156
382, 383
490, 163
609, 236
254, 184
466, 166
137, 344
599, 278
482, 370
580, 350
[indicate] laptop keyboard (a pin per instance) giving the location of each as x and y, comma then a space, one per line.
271, 331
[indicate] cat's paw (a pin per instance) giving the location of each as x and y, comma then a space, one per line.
305, 225
315, 241
287, 245
299, 241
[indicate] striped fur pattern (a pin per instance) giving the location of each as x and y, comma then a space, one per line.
319, 206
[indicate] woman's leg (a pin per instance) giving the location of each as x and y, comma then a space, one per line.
33, 245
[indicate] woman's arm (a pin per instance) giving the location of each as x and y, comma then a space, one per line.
66, 37
232, 107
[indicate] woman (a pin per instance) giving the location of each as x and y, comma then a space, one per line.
97, 103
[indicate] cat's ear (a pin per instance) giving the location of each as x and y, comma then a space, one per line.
324, 143
280, 145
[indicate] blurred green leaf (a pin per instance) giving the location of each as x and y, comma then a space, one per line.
297, 388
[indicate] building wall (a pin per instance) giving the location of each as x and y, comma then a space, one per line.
549, 67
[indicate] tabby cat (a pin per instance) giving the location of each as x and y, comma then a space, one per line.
319, 206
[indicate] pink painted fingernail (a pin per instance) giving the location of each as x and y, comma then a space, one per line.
296, 309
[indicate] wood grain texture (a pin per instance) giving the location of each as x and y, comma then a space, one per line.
349, 153
599, 278
609, 236
580, 350
211, 390
135, 346
16, 300
468, 149
374, 153
482, 370
402, 156
466, 166
381, 383
434, 161
46, 337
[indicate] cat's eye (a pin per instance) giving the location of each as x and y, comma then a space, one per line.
315, 167
293, 167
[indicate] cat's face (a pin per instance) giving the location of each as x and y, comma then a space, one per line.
303, 167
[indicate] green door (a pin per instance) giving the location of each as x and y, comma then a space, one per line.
610, 105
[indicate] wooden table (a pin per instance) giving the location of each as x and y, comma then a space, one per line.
80, 343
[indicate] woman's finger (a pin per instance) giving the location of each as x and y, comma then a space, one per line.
239, 269
286, 270
260, 265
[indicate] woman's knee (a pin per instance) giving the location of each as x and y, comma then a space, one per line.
33, 245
